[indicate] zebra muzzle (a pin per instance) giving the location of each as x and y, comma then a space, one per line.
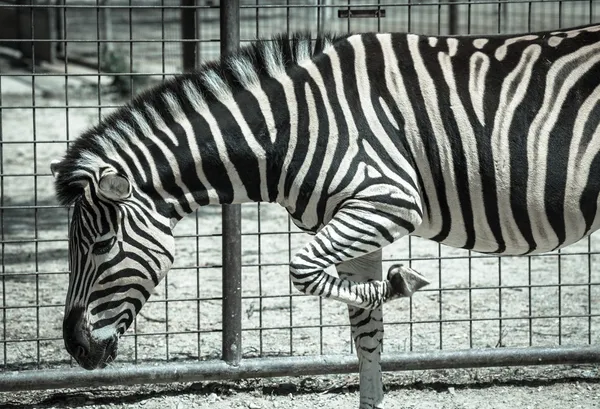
89, 351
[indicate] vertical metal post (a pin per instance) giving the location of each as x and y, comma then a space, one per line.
59, 22
232, 216
2, 230
452, 18
106, 33
188, 32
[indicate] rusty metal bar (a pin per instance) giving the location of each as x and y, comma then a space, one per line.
232, 219
300, 366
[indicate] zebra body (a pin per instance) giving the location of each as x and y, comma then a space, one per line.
484, 143
517, 144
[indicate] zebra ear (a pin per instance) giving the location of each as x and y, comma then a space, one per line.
114, 186
54, 167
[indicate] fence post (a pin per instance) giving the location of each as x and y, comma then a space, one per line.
452, 18
188, 32
232, 216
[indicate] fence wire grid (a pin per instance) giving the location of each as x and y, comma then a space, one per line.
66, 64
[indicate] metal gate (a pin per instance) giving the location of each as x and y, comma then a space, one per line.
232, 314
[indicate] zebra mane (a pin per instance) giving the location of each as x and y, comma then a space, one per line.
243, 69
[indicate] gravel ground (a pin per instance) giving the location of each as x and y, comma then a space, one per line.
523, 388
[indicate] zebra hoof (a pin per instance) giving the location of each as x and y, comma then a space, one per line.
405, 281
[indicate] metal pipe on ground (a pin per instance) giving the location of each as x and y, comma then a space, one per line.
296, 366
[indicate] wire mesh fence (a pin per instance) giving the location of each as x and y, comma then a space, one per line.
105, 52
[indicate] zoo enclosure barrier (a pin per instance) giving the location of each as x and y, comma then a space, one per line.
483, 311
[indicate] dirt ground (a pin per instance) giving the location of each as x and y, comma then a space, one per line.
501, 388
472, 302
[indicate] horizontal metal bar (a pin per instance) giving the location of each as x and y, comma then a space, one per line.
93, 74
101, 40
284, 6
156, 301
504, 256
483, 319
390, 260
442, 3
104, 6
20, 175
301, 295
77, 61
206, 267
45, 273
256, 233
434, 321
30, 241
38, 240
296, 366
244, 330
319, 326
361, 13
41, 273
34, 240
132, 335
31, 142
31, 207
472, 288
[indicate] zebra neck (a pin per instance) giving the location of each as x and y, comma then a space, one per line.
244, 142
239, 144
223, 155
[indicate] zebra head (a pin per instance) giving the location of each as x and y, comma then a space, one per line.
120, 247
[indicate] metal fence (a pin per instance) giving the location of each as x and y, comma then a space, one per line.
65, 64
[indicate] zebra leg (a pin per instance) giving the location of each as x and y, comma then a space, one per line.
359, 228
367, 330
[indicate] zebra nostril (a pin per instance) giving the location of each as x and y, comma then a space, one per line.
80, 352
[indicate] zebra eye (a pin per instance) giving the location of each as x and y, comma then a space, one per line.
104, 246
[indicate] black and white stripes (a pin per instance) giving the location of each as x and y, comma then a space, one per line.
485, 143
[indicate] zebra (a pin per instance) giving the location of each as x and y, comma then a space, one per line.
487, 143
